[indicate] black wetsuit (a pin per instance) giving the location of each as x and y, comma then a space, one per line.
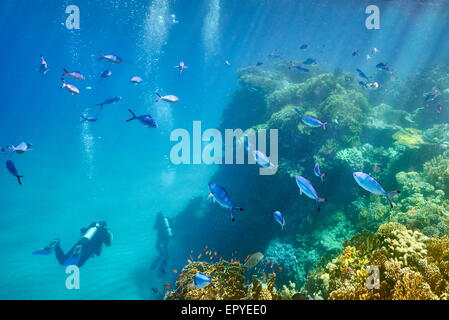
90, 248
163, 237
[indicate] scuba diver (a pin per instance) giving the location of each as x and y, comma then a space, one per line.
90, 244
164, 233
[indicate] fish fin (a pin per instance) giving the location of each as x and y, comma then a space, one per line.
18, 179
83, 119
159, 97
63, 83
324, 125
390, 194
319, 201
322, 177
133, 114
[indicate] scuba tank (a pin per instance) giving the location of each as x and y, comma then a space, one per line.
167, 227
91, 232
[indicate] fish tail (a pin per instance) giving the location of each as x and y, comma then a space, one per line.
389, 194
101, 56
65, 72
322, 177
159, 97
319, 202
83, 118
324, 125
133, 115
63, 83
18, 179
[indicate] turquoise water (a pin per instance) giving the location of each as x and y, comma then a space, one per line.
121, 172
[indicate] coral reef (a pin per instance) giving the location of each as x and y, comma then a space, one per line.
411, 267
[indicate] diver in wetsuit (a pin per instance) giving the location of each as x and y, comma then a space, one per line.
164, 233
89, 245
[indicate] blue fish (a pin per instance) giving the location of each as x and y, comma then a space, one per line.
382, 66
109, 101
202, 281
147, 120
310, 61
262, 160
370, 184
362, 74
306, 187
220, 195
258, 64
303, 47
105, 74
44, 66
89, 119
317, 171
279, 218
363, 84
430, 96
111, 58
356, 53
314, 122
300, 68
12, 169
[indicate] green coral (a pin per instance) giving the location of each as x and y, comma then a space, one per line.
409, 137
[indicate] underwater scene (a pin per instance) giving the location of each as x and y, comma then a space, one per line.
224, 150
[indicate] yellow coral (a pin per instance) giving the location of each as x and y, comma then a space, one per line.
409, 137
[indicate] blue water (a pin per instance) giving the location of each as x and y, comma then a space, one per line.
120, 172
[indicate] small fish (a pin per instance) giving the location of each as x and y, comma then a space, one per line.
303, 47
298, 112
280, 268
374, 51
258, 64
110, 100
362, 74
12, 169
299, 296
370, 184
317, 171
382, 66
363, 84
253, 260
279, 218
181, 66
88, 88
313, 122
201, 280
199, 256
299, 67
136, 80
306, 187
262, 160
309, 61
88, 119
227, 63
147, 120
175, 271
75, 75
438, 108
220, 195
105, 74
43, 69
169, 98
111, 58
19, 149
430, 96
70, 87
356, 53
368, 57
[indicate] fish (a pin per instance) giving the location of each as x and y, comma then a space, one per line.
362, 74
70, 87
309, 61
201, 280
313, 122
299, 67
136, 80
109, 101
181, 66
175, 271
12, 169
303, 46
363, 84
169, 98
43, 69
262, 160
258, 64
374, 50
88, 119
253, 260
227, 63
439, 107
299, 296
279, 218
368, 57
220, 195
297, 111
306, 187
382, 66
19, 149
370, 184
355, 53
75, 75
317, 171
147, 120
430, 96
105, 74
111, 58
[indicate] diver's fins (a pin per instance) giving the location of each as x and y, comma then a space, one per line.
75, 257
48, 249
